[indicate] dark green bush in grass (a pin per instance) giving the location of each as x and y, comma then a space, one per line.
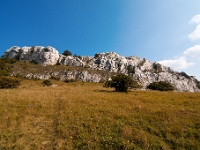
47, 83
121, 83
6, 83
69, 80
6, 65
161, 86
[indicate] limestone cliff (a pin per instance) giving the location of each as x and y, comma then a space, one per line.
141, 69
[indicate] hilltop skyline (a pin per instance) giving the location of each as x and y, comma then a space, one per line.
162, 31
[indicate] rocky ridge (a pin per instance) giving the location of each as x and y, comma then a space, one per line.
141, 69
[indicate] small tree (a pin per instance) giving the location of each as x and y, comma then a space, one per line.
67, 53
160, 86
131, 69
77, 56
96, 55
157, 67
121, 83
47, 83
6, 82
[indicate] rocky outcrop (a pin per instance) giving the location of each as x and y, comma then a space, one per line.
36, 54
141, 69
81, 75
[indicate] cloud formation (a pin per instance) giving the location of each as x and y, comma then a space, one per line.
193, 52
195, 19
196, 33
190, 57
181, 62
177, 64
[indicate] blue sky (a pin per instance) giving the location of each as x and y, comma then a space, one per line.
166, 31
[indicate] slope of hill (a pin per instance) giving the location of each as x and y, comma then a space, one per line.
88, 116
141, 69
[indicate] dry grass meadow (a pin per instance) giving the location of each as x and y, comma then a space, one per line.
88, 116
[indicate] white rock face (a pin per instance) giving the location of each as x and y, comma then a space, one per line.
142, 70
36, 54
70, 61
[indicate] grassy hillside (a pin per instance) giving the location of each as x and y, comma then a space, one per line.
87, 116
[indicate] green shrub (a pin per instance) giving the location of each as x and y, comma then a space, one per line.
47, 83
58, 63
157, 68
67, 53
77, 56
197, 83
131, 69
96, 55
107, 83
184, 74
121, 83
55, 78
45, 49
6, 83
32, 49
142, 62
160, 86
8, 60
4, 69
5, 66
69, 80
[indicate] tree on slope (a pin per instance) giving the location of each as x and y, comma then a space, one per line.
121, 83
67, 53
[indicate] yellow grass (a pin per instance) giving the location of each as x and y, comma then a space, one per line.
87, 116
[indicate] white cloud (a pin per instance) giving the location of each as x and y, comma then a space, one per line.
193, 52
195, 19
196, 33
176, 64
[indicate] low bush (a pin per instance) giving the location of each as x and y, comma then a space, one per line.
131, 69
96, 55
6, 83
47, 83
161, 86
184, 74
67, 53
55, 78
69, 80
121, 83
107, 84
197, 83
8, 60
77, 56
5, 66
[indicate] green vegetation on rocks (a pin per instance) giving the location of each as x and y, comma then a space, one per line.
67, 53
